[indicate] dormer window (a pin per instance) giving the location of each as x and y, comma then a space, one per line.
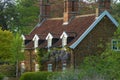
36, 39
23, 37
64, 39
49, 40
23, 43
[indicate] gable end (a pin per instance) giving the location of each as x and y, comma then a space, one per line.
105, 13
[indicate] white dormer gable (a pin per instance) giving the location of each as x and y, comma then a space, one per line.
49, 36
49, 40
64, 34
64, 39
23, 37
35, 39
23, 42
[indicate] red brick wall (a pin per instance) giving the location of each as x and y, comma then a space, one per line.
30, 60
99, 36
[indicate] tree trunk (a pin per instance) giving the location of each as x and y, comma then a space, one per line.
17, 73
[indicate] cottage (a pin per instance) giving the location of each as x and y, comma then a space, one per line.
84, 34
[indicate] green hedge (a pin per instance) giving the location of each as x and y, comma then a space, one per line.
37, 75
7, 70
1, 76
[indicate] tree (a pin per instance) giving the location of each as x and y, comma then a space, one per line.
27, 16
6, 38
7, 12
116, 11
17, 51
20, 15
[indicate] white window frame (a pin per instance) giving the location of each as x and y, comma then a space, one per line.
23, 42
35, 43
36, 67
36, 39
49, 40
115, 46
64, 37
49, 67
64, 65
64, 41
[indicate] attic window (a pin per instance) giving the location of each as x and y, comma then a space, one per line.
64, 39
35, 43
49, 40
116, 45
36, 39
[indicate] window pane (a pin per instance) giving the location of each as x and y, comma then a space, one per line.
64, 41
114, 45
49, 42
118, 45
50, 67
64, 66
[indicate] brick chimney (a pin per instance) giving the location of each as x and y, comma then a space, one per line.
44, 9
70, 10
104, 5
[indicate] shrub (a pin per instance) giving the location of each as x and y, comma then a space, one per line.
1, 76
36, 75
66, 75
8, 70
105, 67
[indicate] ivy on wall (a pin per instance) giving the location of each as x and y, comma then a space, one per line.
54, 55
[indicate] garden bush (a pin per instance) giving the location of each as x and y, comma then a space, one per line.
1, 76
105, 66
37, 75
7, 70
69, 74
77, 75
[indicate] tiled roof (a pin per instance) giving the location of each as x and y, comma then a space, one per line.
29, 37
74, 29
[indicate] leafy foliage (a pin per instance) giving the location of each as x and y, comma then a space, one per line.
7, 70
37, 75
1, 76
105, 65
16, 49
42, 56
27, 15
66, 75
59, 54
19, 15
116, 11
7, 12
6, 38
54, 55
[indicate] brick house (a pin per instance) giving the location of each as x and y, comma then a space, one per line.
82, 33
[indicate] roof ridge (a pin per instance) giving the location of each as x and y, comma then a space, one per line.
55, 18
86, 15
58, 18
